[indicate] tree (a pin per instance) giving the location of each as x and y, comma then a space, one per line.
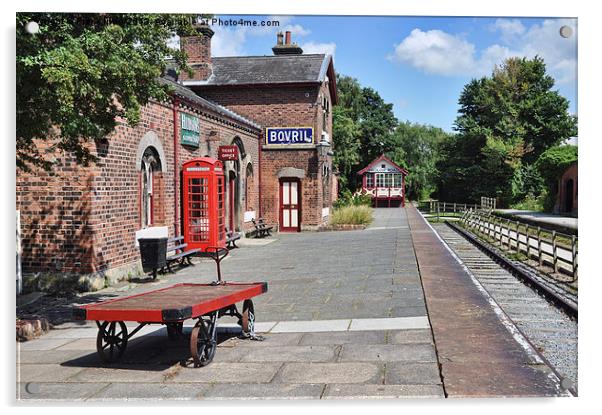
417, 149
81, 73
363, 126
347, 144
505, 122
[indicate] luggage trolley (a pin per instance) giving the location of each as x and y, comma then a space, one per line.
203, 228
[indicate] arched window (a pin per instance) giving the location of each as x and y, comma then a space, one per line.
249, 182
241, 147
151, 163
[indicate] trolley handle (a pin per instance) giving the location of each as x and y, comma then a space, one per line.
217, 258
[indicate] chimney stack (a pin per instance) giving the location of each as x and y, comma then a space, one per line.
288, 48
198, 49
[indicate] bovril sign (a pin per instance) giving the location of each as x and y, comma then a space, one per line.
289, 135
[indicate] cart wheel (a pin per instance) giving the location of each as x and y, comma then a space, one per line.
175, 330
248, 317
111, 341
203, 340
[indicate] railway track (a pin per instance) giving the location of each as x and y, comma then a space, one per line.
552, 332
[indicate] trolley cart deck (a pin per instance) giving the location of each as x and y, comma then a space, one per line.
172, 306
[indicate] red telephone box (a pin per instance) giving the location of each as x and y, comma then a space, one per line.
203, 203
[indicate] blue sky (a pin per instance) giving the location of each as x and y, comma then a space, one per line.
420, 64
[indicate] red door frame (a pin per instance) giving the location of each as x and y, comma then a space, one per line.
231, 191
281, 205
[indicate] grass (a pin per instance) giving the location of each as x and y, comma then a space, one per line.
352, 215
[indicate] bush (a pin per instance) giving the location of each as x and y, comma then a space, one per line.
346, 198
351, 215
531, 202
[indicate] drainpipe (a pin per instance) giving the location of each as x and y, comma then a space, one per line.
176, 175
259, 173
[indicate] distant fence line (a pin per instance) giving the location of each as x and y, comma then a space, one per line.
556, 249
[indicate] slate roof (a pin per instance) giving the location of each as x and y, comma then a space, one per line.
189, 95
251, 70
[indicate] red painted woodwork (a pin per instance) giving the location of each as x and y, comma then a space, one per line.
148, 307
290, 202
203, 202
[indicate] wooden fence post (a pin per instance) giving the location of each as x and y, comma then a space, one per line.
517, 237
554, 253
539, 256
574, 256
528, 242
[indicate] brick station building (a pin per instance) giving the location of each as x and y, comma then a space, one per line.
81, 220
290, 94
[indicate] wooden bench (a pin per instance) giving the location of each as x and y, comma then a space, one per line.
261, 229
231, 238
179, 253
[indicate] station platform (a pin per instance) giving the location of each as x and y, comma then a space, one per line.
480, 351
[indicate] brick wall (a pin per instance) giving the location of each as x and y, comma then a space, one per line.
285, 106
83, 219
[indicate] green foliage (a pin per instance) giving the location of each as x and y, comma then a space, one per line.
347, 143
531, 202
363, 126
554, 161
417, 149
505, 122
351, 215
346, 198
83, 73
550, 166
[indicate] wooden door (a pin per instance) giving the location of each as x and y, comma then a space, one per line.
290, 206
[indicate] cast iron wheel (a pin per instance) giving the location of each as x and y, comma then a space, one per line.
111, 341
175, 330
203, 340
248, 317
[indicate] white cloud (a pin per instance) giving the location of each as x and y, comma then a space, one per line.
296, 30
435, 52
313, 47
446, 54
231, 41
227, 42
509, 28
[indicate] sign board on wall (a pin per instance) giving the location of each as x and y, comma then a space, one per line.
190, 130
227, 153
289, 135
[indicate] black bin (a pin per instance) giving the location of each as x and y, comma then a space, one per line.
153, 252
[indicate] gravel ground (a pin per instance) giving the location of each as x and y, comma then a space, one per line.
552, 332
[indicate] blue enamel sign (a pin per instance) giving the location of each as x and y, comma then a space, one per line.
289, 135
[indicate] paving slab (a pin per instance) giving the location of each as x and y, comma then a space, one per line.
265, 391
42, 344
150, 392
329, 373
290, 354
228, 373
410, 336
131, 373
311, 326
344, 337
405, 373
345, 391
388, 353
46, 373
398, 323
49, 391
